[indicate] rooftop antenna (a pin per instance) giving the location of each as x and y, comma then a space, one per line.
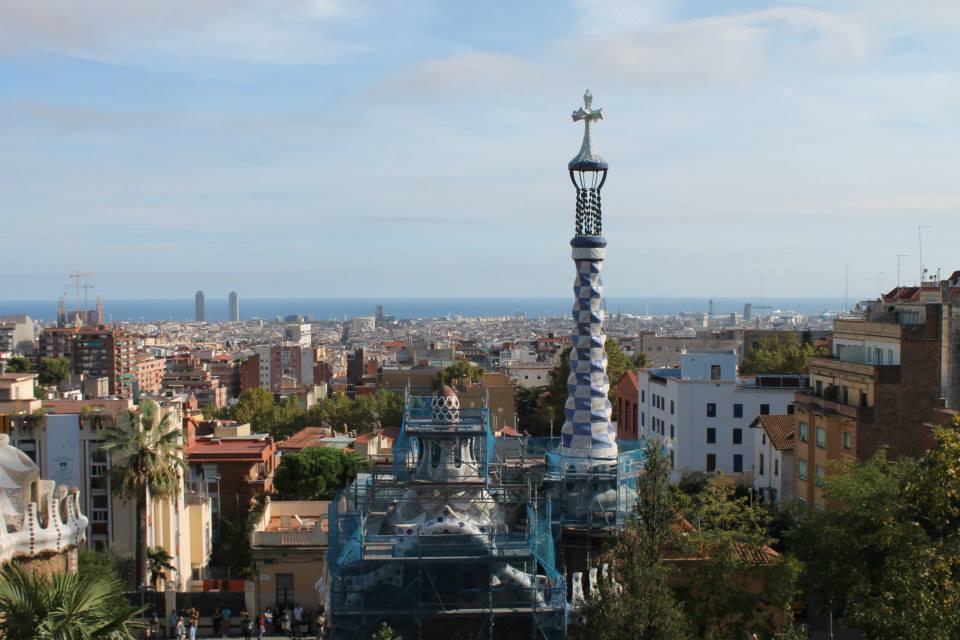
899, 257
920, 229
846, 287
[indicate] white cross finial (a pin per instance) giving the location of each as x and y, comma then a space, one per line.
588, 114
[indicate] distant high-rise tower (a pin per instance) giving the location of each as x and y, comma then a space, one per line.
587, 432
747, 312
234, 304
199, 307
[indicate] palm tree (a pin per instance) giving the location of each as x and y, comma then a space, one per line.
65, 606
146, 459
158, 561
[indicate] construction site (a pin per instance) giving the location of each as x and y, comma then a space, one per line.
486, 537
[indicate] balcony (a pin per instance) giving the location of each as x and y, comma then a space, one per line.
836, 368
829, 406
293, 523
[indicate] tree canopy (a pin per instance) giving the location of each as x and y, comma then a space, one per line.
459, 371
783, 354
886, 554
280, 419
316, 473
54, 370
672, 580
18, 364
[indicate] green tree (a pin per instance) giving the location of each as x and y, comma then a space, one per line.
634, 599
730, 530
316, 473
783, 354
145, 457
386, 632
458, 372
902, 518
533, 413
65, 606
54, 370
18, 364
158, 563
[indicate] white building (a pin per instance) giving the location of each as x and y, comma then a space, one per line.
773, 437
360, 324
702, 411
529, 374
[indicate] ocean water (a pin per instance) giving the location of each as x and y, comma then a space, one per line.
341, 308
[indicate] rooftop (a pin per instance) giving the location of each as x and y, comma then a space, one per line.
306, 437
779, 428
230, 449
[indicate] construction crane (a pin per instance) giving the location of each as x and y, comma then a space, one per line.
76, 283
86, 303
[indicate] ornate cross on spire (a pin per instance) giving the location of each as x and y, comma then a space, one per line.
587, 159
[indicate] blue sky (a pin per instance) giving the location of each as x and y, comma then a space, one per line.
415, 148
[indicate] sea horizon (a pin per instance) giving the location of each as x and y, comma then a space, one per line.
182, 309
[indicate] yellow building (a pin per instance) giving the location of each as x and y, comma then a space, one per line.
289, 545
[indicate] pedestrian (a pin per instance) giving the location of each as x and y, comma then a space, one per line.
268, 617
217, 620
194, 623
181, 629
322, 625
261, 626
246, 624
286, 621
174, 618
297, 621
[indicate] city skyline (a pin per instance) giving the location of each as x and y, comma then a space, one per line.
334, 145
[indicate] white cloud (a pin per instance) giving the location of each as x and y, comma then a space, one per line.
472, 70
223, 29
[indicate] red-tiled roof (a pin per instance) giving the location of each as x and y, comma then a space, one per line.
306, 437
780, 430
229, 448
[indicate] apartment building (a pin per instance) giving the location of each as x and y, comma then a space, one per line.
16, 334
96, 351
888, 375
17, 393
66, 448
774, 444
150, 373
701, 412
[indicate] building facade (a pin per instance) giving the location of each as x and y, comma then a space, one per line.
701, 412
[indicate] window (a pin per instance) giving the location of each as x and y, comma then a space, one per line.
846, 394
763, 438
737, 463
761, 464
776, 467
711, 409
790, 409
819, 477
99, 508
29, 447
643, 396
802, 469
671, 407
671, 431
764, 409
711, 435
738, 436
714, 372
847, 440
821, 438
820, 388
285, 589
711, 462
643, 419
863, 399
671, 458
738, 410
804, 431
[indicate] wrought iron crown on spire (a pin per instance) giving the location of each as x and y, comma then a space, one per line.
588, 172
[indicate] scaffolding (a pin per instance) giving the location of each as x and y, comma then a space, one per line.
452, 539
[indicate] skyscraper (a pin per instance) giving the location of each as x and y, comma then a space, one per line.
234, 306
200, 307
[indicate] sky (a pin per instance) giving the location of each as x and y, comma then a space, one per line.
347, 148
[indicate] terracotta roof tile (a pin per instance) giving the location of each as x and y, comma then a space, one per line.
779, 428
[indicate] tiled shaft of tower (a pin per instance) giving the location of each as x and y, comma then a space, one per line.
587, 431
